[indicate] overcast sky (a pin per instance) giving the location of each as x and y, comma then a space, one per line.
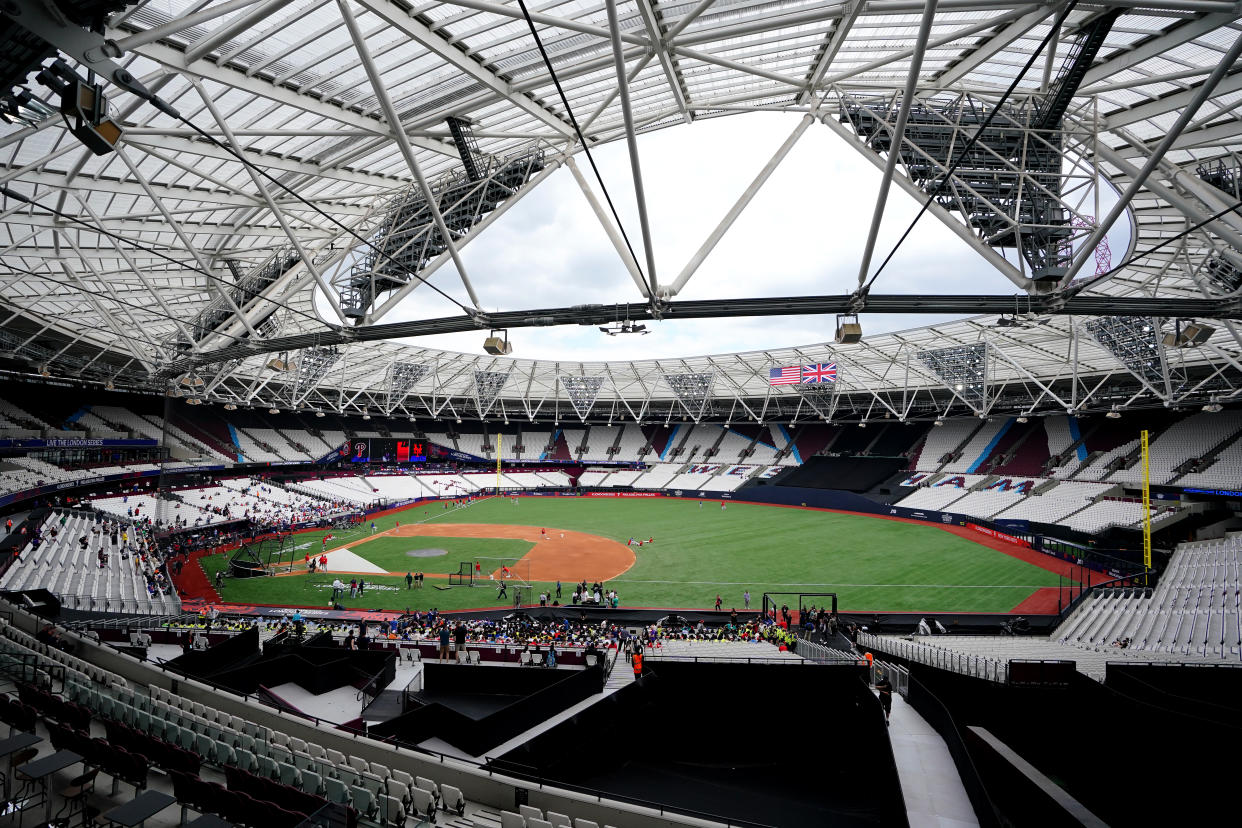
804, 233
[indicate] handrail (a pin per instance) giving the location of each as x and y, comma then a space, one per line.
965, 664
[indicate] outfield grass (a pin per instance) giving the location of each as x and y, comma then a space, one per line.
871, 563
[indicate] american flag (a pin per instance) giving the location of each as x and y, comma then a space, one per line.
785, 376
824, 372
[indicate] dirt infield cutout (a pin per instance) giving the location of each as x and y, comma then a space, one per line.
561, 554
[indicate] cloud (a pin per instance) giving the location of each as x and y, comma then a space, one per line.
804, 233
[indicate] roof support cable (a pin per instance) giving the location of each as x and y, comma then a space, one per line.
586, 147
171, 111
934, 186
103, 231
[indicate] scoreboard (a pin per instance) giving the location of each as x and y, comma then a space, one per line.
387, 450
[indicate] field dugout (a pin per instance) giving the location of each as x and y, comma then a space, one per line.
773, 601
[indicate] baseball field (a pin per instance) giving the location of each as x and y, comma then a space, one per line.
690, 553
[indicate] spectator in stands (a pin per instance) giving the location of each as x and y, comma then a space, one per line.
444, 642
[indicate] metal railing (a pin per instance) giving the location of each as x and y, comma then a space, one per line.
820, 653
898, 676
965, 664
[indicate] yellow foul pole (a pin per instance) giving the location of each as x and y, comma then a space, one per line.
1146, 505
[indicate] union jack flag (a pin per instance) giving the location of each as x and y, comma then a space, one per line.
784, 376
824, 372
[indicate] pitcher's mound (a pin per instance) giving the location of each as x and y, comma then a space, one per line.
427, 553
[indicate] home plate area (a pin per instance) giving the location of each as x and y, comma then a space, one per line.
343, 560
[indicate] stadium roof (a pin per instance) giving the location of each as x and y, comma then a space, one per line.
273, 158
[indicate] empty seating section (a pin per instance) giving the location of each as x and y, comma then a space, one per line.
722, 650
573, 438
970, 454
123, 581
1196, 610
622, 478
21, 473
988, 502
1103, 514
156, 429
256, 449
932, 497
943, 440
632, 442
395, 488
1225, 471
657, 477
472, 444
13, 417
592, 477
599, 440
1060, 435
348, 489
535, 444
1187, 439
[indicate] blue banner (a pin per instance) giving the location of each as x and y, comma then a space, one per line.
75, 442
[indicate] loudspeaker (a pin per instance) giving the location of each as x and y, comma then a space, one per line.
849, 332
1197, 334
83, 107
496, 346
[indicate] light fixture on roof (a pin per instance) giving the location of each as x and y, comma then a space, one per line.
318, 413
108, 386
1190, 336
193, 401
1213, 407
938, 423
281, 363
862, 424
1113, 414
191, 380
230, 406
1023, 419
44, 372
366, 416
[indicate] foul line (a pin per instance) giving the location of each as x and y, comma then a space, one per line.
794, 583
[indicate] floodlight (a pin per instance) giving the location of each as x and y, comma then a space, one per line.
230, 406
273, 411
193, 401
318, 413
1113, 415
1213, 407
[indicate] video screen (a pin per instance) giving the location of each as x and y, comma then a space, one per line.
387, 450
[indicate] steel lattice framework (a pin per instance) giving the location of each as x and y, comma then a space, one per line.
434, 118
